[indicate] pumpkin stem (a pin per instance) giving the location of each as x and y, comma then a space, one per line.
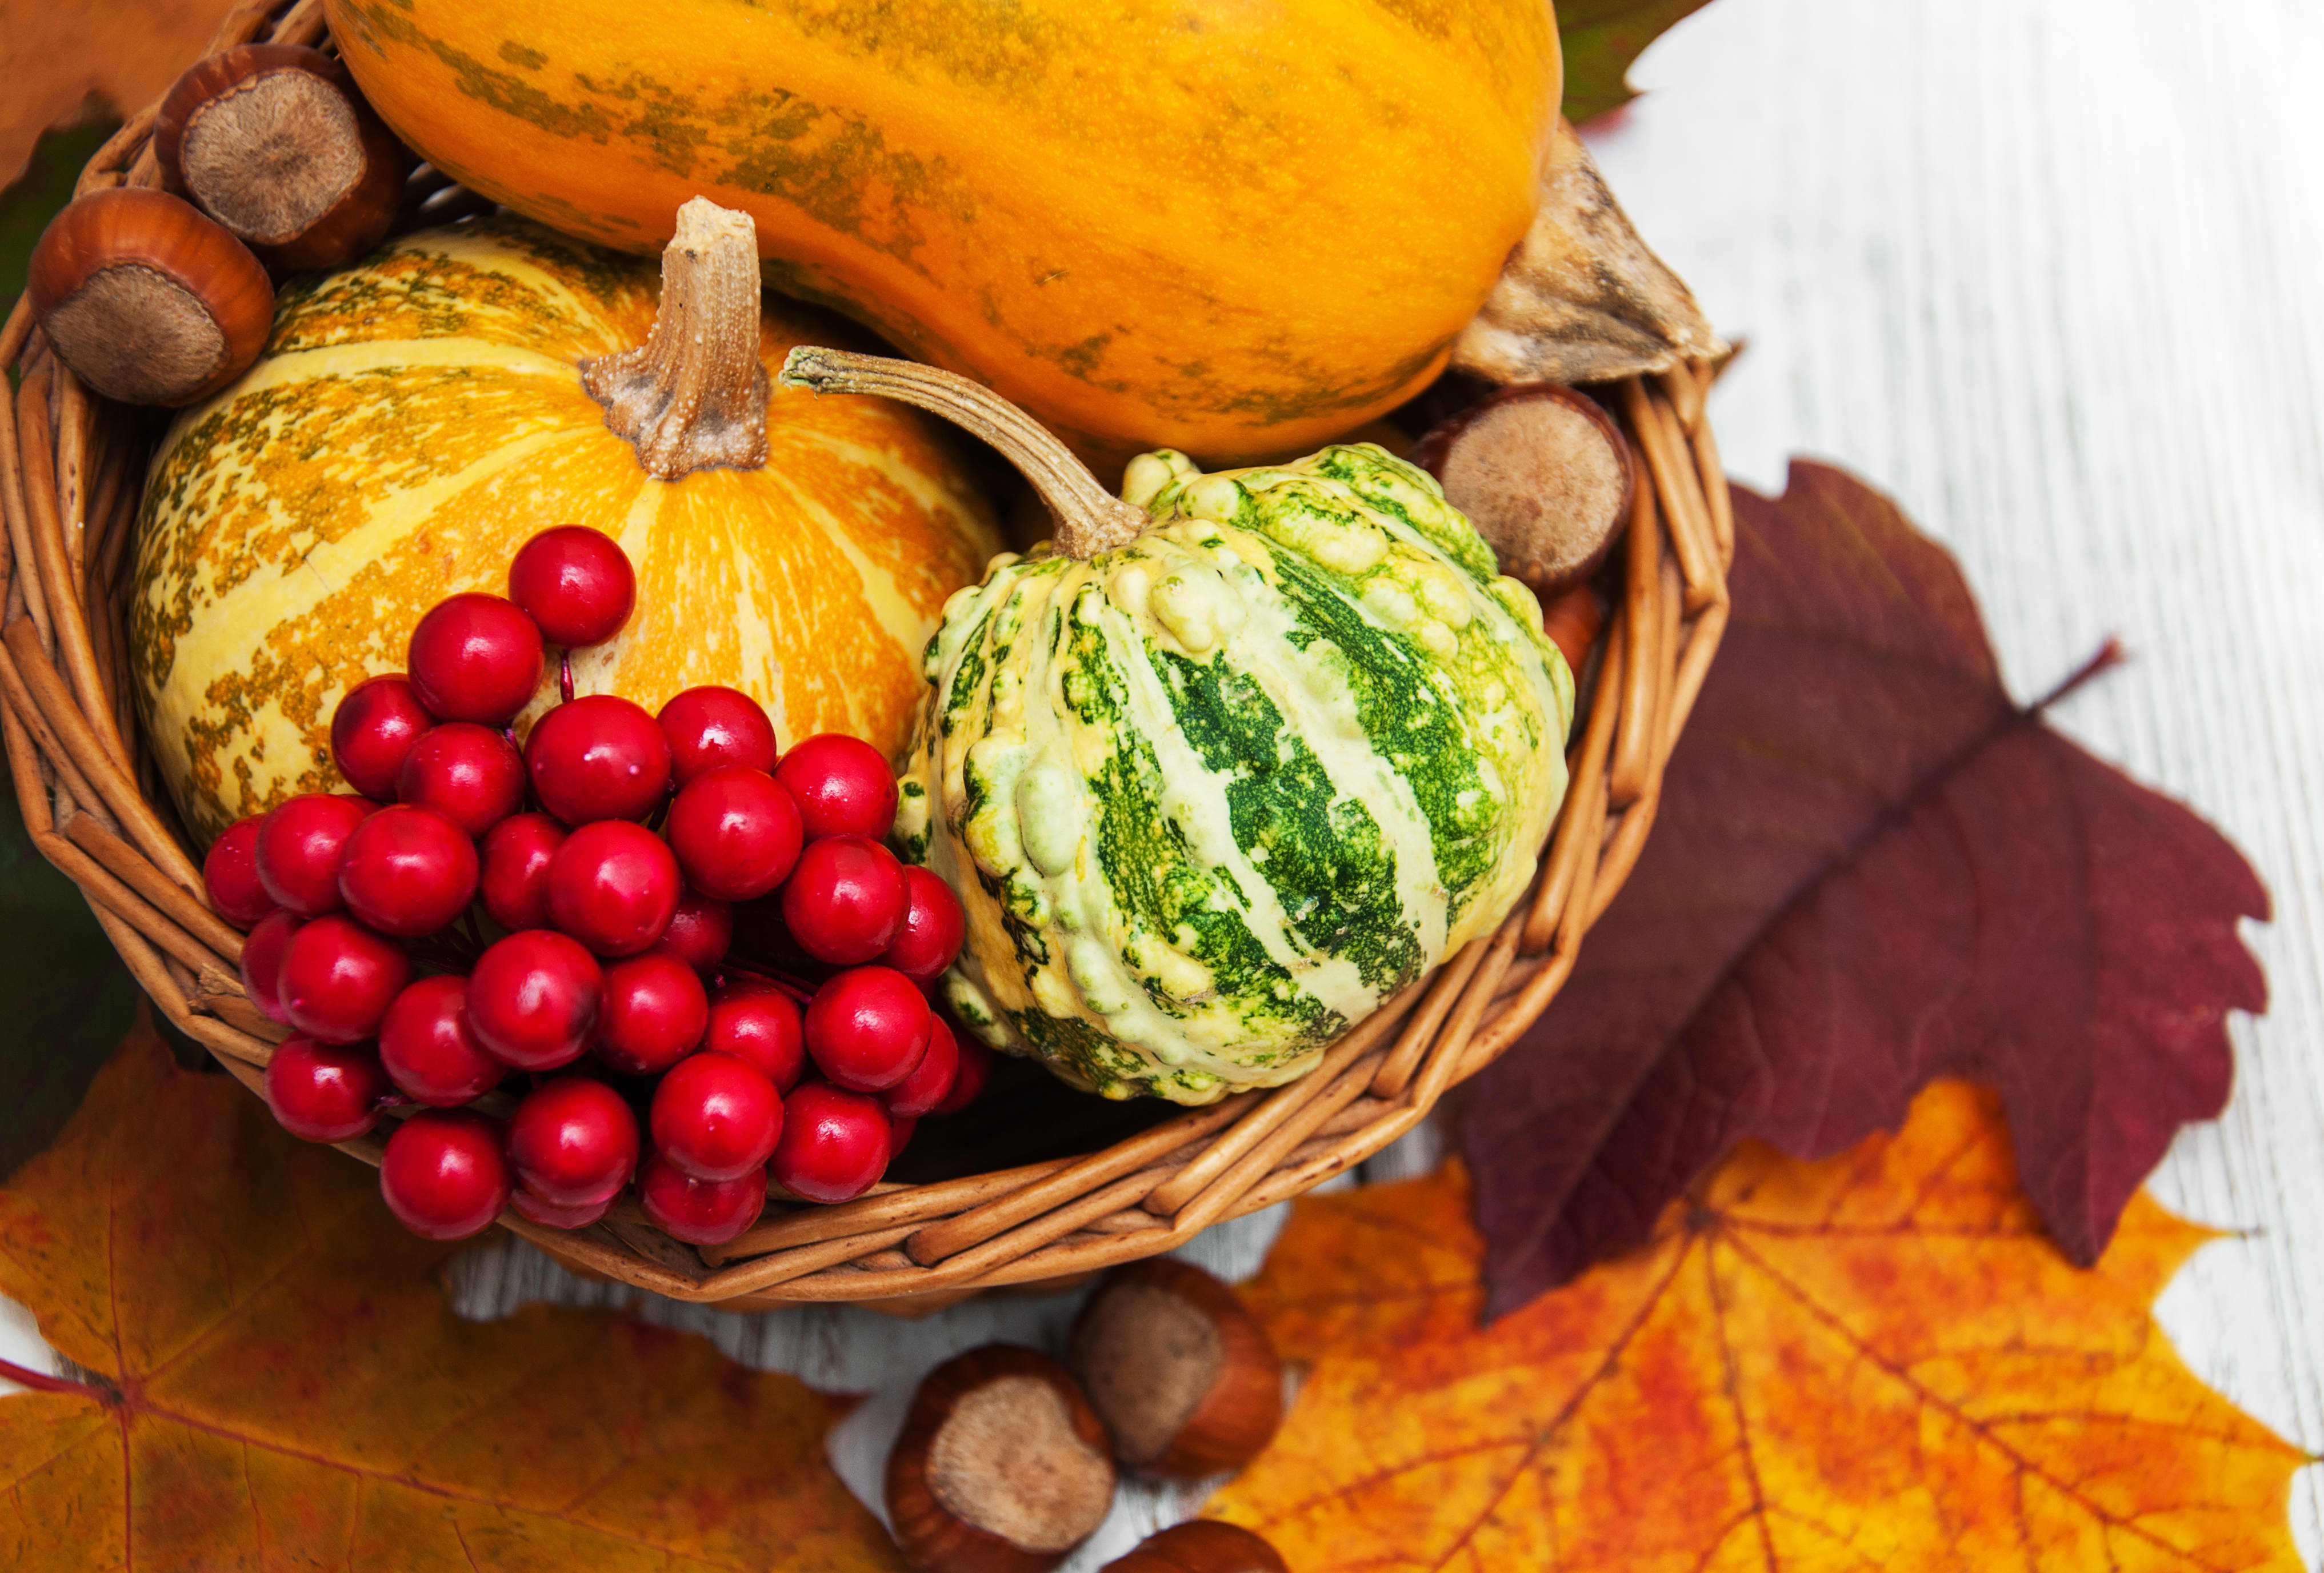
1090, 519
694, 395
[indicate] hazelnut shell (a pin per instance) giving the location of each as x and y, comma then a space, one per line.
1235, 1416
367, 196
1548, 552
1201, 1545
924, 1470
148, 301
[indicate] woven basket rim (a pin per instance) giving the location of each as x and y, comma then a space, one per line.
70, 480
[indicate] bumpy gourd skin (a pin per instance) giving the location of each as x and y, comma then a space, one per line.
1210, 797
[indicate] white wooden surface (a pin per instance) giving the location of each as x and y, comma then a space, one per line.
2050, 273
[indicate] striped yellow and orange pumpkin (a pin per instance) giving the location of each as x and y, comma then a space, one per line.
415, 419
1233, 228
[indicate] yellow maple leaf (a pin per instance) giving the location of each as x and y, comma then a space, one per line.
270, 1378
1874, 1361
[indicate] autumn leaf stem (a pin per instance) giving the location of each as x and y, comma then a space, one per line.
42, 1382
2109, 656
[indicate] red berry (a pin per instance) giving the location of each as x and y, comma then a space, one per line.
573, 1142
300, 844
548, 1215
759, 1024
931, 1080
700, 932
735, 833
712, 726
338, 978
901, 1127
324, 1092
843, 786
968, 1081
703, 1212
715, 1117
515, 878
469, 774
408, 872
262, 961
373, 729
230, 875
655, 1012
425, 1045
845, 899
574, 583
534, 999
934, 927
475, 658
444, 1176
613, 886
599, 757
835, 1144
868, 1028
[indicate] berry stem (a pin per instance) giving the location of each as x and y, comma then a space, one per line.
799, 989
565, 677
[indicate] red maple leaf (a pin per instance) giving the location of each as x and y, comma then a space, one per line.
1870, 869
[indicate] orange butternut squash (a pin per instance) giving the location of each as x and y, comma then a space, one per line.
1232, 228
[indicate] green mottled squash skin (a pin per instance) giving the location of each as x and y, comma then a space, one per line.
1210, 797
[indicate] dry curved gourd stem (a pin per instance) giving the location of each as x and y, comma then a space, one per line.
1090, 519
694, 395
1582, 299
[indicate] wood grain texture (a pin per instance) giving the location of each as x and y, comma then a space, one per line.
2047, 271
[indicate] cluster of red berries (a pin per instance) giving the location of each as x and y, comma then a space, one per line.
598, 936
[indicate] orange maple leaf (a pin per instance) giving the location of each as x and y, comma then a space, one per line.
66, 62
1873, 1361
271, 1378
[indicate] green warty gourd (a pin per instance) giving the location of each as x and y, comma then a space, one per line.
1213, 792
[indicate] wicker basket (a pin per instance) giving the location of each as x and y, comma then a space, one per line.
72, 470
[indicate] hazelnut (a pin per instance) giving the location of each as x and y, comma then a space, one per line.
275, 142
1001, 1468
148, 301
1186, 1378
1542, 472
1202, 1545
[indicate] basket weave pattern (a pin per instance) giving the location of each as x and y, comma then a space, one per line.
72, 475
